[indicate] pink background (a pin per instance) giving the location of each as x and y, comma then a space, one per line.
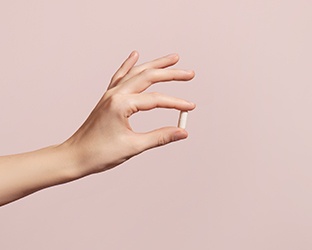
243, 178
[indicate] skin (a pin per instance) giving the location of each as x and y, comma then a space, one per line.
106, 138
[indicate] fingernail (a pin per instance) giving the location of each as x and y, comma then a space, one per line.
172, 55
189, 102
132, 53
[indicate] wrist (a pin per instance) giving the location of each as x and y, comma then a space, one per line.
71, 162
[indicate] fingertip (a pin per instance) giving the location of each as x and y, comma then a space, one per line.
133, 58
189, 106
173, 56
160, 137
180, 134
192, 73
176, 58
189, 74
193, 105
134, 53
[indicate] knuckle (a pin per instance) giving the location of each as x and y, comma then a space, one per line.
162, 140
122, 104
115, 101
148, 74
137, 146
131, 108
134, 71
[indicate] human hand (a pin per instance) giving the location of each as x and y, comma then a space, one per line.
106, 138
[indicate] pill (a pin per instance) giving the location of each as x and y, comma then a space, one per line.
182, 119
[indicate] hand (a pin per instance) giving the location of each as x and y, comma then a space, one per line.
106, 139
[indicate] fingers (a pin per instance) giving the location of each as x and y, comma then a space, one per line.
159, 63
160, 137
124, 69
148, 73
148, 101
148, 77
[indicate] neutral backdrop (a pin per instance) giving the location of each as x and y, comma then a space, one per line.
243, 178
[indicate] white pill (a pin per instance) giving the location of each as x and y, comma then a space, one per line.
182, 119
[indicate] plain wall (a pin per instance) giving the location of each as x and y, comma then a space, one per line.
243, 178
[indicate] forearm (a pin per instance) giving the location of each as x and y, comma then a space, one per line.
26, 173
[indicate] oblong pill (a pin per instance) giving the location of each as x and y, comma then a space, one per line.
182, 119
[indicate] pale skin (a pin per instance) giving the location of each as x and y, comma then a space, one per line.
106, 138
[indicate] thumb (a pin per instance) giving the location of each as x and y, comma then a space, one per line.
160, 137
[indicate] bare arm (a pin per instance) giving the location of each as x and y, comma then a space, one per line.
105, 139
